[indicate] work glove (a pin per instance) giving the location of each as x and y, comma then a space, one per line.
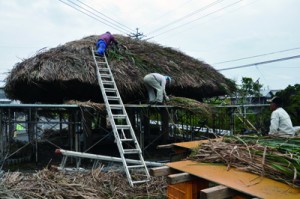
167, 98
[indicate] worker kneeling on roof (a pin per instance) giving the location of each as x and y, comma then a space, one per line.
281, 124
103, 42
156, 87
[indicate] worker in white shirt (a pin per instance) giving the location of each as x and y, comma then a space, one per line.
156, 87
281, 124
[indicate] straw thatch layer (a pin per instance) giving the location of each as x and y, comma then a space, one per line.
68, 72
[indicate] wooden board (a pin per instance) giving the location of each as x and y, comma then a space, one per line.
193, 144
238, 180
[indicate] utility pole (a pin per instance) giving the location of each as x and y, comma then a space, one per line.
137, 35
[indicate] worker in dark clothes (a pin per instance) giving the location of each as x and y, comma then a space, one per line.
156, 87
103, 42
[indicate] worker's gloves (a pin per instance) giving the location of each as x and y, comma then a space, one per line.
167, 98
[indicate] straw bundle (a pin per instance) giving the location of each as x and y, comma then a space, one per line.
193, 106
275, 158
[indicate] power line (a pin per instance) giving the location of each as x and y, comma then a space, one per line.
96, 18
237, 9
168, 12
186, 16
111, 25
261, 55
260, 63
223, 8
129, 29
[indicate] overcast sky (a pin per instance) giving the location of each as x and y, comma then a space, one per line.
213, 31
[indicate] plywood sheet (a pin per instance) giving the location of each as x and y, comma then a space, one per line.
241, 181
193, 144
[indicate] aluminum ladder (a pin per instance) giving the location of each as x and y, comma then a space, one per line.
122, 129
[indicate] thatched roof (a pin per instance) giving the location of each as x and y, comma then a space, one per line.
67, 72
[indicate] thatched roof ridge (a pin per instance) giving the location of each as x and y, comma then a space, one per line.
68, 72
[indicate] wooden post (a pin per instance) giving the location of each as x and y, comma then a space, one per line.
1, 136
30, 126
35, 121
141, 130
31, 130
10, 128
87, 119
76, 131
165, 124
146, 123
71, 129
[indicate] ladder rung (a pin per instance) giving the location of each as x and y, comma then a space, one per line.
99, 56
105, 76
103, 69
123, 126
126, 140
100, 61
135, 166
109, 86
108, 82
113, 106
113, 98
140, 181
131, 151
119, 116
110, 89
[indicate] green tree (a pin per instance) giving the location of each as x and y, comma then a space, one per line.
248, 88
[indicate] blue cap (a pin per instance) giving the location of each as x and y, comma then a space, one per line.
169, 79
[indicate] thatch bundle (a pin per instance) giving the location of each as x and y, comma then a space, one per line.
194, 106
67, 72
275, 158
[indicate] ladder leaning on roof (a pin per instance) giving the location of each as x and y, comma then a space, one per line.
123, 132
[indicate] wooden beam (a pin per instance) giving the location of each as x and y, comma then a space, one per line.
160, 171
217, 192
179, 177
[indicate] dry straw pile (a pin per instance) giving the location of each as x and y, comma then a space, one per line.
49, 184
275, 158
